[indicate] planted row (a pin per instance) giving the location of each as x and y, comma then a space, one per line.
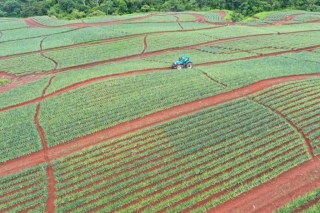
24, 191
173, 166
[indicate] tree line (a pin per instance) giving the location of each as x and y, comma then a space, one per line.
74, 9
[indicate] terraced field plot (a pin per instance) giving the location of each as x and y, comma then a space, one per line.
94, 119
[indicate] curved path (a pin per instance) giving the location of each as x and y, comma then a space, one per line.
276, 193
122, 129
283, 21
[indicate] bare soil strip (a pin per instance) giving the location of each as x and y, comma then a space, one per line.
283, 21
145, 44
50, 174
278, 192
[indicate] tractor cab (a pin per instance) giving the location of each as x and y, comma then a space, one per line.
183, 62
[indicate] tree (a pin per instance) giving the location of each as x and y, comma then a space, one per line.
12, 7
122, 7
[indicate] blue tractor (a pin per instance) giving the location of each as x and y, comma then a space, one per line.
184, 62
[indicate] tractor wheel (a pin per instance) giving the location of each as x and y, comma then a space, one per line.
179, 67
189, 65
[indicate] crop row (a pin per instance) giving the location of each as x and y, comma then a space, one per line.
20, 46
242, 73
23, 93
174, 40
276, 43
108, 103
299, 103
92, 34
14, 24
28, 64
302, 201
307, 17
24, 191
213, 17
280, 15
48, 21
201, 151
25, 33
19, 135
97, 52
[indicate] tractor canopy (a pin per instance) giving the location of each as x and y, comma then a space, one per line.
182, 60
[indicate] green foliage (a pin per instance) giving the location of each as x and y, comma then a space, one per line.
4, 81
14, 24
299, 102
97, 52
31, 32
24, 191
66, 79
242, 73
105, 100
28, 64
19, 135
175, 165
23, 93
20, 46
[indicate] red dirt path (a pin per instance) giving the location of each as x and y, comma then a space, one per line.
50, 173
119, 130
276, 193
283, 21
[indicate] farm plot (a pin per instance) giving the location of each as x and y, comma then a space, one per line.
198, 57
25, 191
23, 93
30, 32
176, 166
114, 101
307, 203
152, 19
281, 15
68, 78
97, 52
19, 135
185, 17
51, 22
14, 24
242, 73
305, 56
234, 31
194, 25
89, 34
21, 46
113, 18
307, 18
139, 28
269, 44
28, 64
173, 40
299, 102
213, 17
294, 28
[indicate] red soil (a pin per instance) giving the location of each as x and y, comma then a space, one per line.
283, 21
32, 23
222, 14
50, 174
278, 192
145, 44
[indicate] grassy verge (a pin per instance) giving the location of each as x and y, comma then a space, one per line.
4, 82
